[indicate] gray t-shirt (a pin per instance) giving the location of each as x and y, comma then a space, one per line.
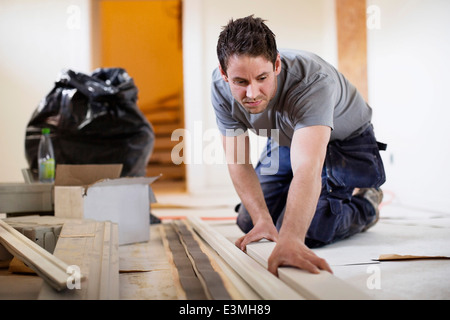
310, 92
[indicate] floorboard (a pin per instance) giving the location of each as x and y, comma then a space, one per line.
401, 230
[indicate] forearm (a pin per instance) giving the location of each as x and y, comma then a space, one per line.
248, 188
308, 150
302, 201
291, 249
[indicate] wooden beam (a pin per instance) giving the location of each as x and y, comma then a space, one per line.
109, 257
258, 277
352, 42
26, 197
211, 280
93, 247
50, 268
236, 286
190, 282
180, 293
323, 286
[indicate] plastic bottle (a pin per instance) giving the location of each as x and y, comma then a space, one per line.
46, 158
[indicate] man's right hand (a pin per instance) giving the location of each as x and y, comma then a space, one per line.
263, 229
292, 252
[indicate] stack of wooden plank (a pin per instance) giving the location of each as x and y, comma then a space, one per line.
49, 267
84, 263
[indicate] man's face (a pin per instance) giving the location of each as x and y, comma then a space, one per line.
253, 81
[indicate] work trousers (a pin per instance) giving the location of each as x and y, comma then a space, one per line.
349, 164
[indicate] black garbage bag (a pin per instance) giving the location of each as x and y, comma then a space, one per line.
93, 120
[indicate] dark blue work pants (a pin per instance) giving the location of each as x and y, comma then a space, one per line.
348, 164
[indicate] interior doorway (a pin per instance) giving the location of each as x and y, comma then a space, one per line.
145, 38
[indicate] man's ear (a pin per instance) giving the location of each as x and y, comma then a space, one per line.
224, 75
278, 65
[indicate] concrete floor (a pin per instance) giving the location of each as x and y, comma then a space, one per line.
400, 230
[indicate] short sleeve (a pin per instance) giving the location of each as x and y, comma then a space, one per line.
313, 103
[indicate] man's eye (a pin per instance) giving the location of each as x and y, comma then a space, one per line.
240, 82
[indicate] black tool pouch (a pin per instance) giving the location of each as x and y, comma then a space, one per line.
355, 163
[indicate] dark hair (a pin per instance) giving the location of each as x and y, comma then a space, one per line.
246, 36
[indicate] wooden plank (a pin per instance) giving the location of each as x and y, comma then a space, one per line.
352, 42
236, 286
258, 277
181, 294
50, 268
323, 286
26, 197
109, 283
91, 246
145, 270
211, 280
191, 284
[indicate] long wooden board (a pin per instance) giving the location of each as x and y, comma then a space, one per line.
93, 247
265, 283
52, 269
212, 282
189, 281
323, 286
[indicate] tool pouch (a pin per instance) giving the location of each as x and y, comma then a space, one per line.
355, 163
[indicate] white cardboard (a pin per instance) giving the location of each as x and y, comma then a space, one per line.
125, 201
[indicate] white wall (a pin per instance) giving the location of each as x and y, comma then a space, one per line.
409, 82
37, 40
408, 50
408, 76
302, 24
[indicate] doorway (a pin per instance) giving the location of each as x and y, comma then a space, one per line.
145, 38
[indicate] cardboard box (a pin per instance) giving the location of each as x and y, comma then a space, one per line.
97, 192
26, 197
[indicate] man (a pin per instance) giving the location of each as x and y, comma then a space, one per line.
321, 146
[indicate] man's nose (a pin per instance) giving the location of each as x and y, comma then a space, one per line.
252, 91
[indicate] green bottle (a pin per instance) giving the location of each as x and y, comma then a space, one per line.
46, 158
